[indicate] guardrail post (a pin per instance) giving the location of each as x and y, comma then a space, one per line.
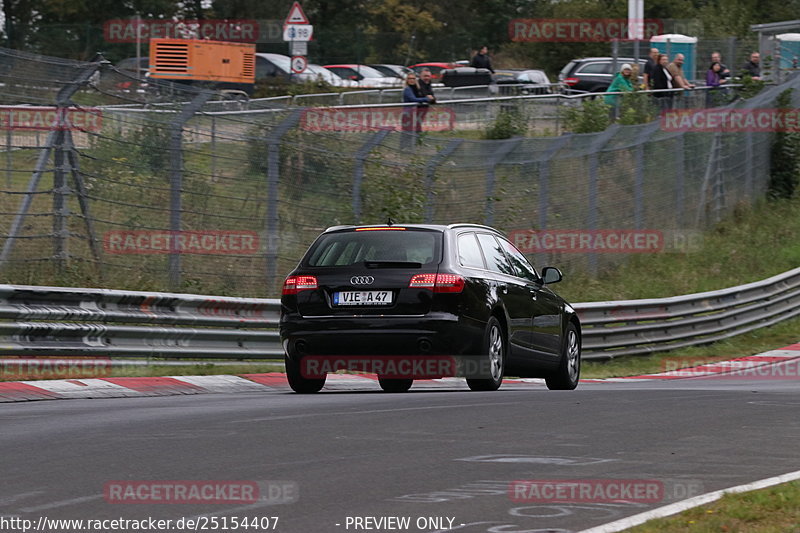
176, 181
500, 154
273, 183
358, 170
430, 172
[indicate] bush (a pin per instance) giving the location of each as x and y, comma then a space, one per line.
637, 108
591, 116
510, 122
785, 156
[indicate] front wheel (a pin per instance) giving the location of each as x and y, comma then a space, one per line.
297, 382
569, 368
494, 344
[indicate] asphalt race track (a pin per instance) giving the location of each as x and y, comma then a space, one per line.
327, 462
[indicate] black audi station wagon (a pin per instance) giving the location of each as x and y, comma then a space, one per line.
416, 294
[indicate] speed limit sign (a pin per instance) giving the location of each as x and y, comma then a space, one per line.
299, 64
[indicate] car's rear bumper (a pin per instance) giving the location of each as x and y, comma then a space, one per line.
432, 334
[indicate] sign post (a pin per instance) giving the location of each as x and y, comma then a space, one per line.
297, 32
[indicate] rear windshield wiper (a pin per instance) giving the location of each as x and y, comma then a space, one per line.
392, 264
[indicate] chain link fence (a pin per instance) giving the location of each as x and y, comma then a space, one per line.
135, 184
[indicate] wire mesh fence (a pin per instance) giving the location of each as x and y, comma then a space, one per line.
130, 183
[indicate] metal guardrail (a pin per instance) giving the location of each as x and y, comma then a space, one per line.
55, 321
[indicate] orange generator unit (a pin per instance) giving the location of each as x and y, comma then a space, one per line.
216, 64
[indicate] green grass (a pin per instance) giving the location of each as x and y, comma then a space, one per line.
752, 244
772, 510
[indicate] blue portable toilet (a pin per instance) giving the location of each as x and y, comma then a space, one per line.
675, 43
790, 50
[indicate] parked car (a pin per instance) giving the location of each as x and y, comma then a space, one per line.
415, 290
592, 74
314, 72
366, 77
392, 71
436, 68
530, 81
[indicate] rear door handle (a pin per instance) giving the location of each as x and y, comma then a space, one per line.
534, 294
503, 287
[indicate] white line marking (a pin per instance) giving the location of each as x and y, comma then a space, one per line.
679, 507
62, 503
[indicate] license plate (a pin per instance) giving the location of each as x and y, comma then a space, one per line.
362, 298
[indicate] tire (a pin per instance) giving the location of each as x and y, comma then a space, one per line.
297, 382
569, 368
494, 345
395, 385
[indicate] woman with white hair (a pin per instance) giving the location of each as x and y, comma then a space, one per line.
623, 82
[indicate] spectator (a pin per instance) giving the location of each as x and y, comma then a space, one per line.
622, 82
482, 60
649, 67
675, 68
412, 94
425, 84
662, 80
724, 72
713, 80
753, 67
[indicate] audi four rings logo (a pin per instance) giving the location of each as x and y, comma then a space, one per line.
362, 280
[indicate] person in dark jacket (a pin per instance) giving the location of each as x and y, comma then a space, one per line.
482, 60
662, 79
413, 94
753, 67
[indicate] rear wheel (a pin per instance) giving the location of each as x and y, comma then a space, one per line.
297, 382
569, 368
395, 385
494, 344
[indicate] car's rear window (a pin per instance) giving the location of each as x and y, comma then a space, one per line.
352, 247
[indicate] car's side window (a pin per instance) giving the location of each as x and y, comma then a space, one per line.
469, 253
493, 252
595, 68
519, 262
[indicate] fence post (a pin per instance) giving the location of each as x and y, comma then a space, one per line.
358, 170
638, 185
680, 189
430, 172
273, 183
9, 159
748, 161
176, 182
591, 221
63, 101
499, 155
60, 209
544, 176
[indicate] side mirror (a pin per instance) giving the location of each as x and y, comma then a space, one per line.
551, 275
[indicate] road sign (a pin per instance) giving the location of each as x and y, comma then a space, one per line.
299, 64
298, 32
298, 48
296, 15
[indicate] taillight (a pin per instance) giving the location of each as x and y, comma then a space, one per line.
571, 81
295, 284
437, 282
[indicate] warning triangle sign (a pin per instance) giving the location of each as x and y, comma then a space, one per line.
296, 15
